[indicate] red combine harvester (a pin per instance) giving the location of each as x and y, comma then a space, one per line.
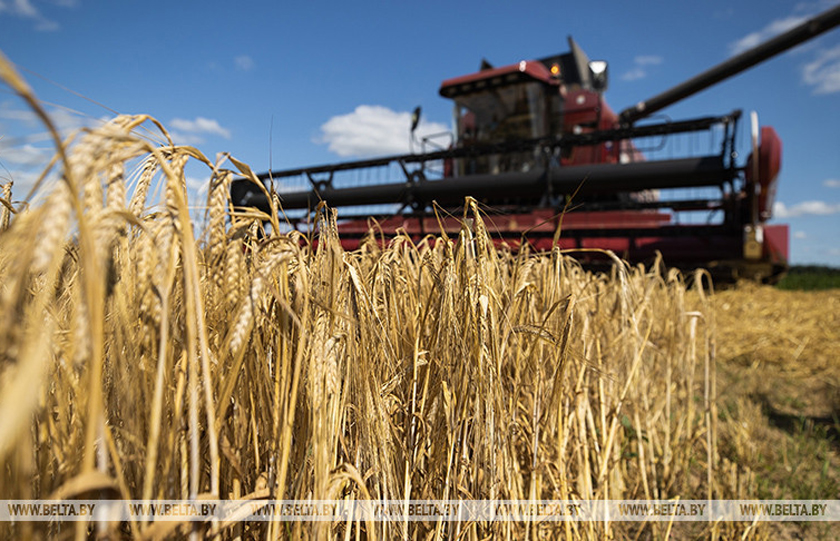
538, 146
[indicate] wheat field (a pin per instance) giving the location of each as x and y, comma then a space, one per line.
147, 355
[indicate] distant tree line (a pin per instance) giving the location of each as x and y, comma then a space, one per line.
811, 277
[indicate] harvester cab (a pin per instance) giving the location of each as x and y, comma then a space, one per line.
537, 142
550, 98
529, 100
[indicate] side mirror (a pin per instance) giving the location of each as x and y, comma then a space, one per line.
415, 118
598, 70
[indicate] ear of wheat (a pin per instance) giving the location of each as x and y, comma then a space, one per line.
140, 362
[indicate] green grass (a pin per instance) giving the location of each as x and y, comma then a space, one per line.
800, 467
810, 278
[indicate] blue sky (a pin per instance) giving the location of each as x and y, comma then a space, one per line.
293, 84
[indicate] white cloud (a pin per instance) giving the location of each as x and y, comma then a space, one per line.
773, 29
823, 73
24, 181
196, 128
25, 154
21, 8
805, 208
189, 139
46, 25
800, 235
33, 146
25, 10
638, 71
373, 130
244, 63
634, 74
67, 121
198, 185
831, 183
724, 14
8, 112
648, 60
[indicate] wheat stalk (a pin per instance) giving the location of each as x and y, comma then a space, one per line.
436, 368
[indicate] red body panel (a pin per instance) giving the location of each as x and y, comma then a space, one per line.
579, 231
769, 164
586, 111
534, 69
776, 242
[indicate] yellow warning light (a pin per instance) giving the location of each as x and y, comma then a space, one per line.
555, 69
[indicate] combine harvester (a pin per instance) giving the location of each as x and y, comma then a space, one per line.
537, 145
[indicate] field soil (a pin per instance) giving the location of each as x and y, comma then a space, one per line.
778, 378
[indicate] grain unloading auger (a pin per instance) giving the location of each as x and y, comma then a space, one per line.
536, 143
